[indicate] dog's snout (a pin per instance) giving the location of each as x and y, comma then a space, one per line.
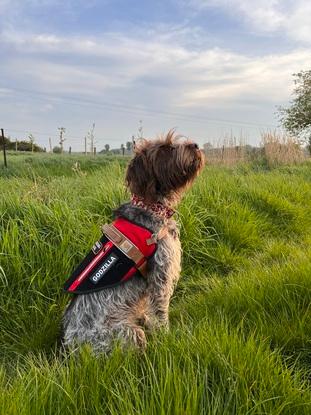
194, 146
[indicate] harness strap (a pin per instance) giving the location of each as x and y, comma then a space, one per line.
130, 249
125, 245
155, 237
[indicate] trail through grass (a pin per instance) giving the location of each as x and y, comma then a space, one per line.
239, 341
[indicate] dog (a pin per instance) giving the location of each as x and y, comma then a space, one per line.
157, 177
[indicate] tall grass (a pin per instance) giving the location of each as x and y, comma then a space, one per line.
276, 149
239, 341
281, 149
227, 152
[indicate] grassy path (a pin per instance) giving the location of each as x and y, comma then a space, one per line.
240, 338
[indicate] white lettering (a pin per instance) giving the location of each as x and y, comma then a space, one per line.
106, 265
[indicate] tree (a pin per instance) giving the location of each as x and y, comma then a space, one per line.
21, 145
207, 147
32, 141
90, 138
122, 149
62, 131
140, 130
129, 146
296, 119
7, 141
57, 150
107, 147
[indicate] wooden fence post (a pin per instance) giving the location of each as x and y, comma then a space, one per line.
3, 144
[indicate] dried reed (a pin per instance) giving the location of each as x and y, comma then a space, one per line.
228, 151
280, 148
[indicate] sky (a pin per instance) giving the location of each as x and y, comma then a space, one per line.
209, 68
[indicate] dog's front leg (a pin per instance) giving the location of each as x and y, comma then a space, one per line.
159, 306
162, 278
160, 290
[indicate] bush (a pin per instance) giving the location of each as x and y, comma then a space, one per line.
57, 150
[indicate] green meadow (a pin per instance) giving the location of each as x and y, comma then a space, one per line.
240, 319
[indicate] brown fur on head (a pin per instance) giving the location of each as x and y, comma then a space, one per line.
162, 169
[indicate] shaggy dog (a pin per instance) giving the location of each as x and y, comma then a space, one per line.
157, 176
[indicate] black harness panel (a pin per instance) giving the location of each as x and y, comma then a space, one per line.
104, 266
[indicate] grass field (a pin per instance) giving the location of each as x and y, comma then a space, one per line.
240, 337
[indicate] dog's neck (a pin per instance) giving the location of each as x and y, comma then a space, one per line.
157, 208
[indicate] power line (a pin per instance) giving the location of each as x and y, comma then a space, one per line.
54, 135
126, 108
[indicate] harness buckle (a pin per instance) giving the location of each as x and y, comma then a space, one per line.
152, 240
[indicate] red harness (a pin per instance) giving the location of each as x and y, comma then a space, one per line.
121, 253
138, 235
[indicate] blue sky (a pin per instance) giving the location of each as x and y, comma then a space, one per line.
210, 68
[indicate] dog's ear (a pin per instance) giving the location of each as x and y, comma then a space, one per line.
139, 176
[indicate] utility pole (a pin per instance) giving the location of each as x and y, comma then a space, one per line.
16, 144
61, 138
140, 129
50, 143
85, 145
70, 150
140, 134
91, 138
94, 151
32, 140
4, 152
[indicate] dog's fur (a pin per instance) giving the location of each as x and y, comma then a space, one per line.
160, 171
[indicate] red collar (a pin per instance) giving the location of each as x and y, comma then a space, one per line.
157, 208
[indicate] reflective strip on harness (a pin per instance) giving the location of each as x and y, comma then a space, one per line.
91, 265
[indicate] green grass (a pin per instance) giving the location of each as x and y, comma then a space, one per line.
240, 335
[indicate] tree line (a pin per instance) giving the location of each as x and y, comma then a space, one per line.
23, 145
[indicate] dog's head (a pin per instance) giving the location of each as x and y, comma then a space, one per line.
162, 169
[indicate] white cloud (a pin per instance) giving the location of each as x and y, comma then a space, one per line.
19, 5
298, 23
88, 66
115, 66
225, 77
289, 17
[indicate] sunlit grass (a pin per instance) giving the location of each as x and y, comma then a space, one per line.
239, 341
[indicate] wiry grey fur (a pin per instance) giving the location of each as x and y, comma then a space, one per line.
123, 312
160, 171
